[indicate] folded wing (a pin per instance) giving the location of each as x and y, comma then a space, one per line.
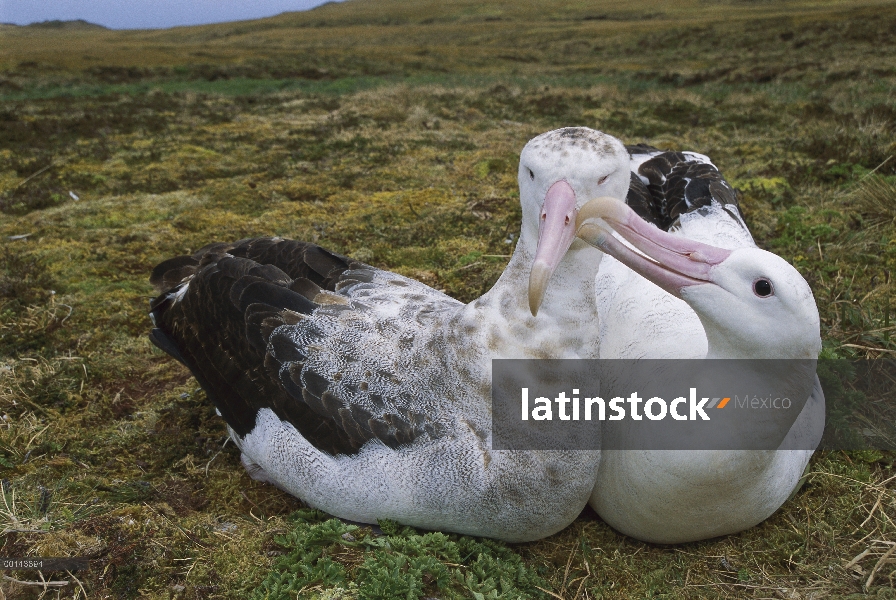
287, 325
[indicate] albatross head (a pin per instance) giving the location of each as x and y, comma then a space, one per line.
752, 303
559, 171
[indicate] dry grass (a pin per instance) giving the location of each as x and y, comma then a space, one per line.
875, 199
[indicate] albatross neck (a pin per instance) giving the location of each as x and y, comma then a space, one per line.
566, 325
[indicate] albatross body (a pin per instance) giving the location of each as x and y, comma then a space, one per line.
703, 304
367, 394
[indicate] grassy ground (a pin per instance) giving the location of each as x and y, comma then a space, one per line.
390, 131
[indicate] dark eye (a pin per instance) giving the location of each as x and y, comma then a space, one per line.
762, 287
531, 174
602, 180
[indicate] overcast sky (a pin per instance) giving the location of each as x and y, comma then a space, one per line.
141, 14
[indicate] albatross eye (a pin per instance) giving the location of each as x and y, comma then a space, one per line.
531, 174
762, 288
602, 180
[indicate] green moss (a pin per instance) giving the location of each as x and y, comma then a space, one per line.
401, 563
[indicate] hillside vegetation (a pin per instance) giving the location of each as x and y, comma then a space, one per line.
390, 131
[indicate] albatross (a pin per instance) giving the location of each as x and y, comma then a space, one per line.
693, 284
366, 393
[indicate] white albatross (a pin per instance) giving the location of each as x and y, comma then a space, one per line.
367, 394
707, 302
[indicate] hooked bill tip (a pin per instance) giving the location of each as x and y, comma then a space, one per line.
538, 282
593, 234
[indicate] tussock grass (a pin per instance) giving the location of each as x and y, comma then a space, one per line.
875, 198
390, 131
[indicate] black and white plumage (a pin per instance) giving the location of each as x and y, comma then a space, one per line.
666, 185
680, 496
367, 394
251, 288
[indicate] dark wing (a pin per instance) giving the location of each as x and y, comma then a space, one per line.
664, 185
245, 317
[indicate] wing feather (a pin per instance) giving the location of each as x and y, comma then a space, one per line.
666, 185
280, 324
